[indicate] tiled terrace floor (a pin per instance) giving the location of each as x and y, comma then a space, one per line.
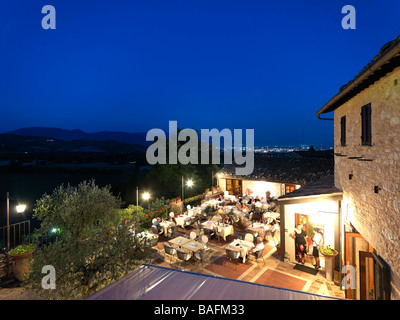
273, 273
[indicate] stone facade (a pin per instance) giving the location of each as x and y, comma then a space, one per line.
375, 215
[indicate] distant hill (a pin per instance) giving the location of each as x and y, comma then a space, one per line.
71, 135
18, 144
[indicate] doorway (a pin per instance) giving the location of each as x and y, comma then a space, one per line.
371, 272
234, 187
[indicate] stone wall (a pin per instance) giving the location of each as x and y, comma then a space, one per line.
375, 215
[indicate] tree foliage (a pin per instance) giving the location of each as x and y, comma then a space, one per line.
92, 248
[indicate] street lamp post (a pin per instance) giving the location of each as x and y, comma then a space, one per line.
20, 209
8, 221
189, 183
146, 196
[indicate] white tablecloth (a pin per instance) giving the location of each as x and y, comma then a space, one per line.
242, 246
181, 219
144, 236
229, 197
261, 228
221, 230
165, 225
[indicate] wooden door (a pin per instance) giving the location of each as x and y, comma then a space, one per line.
349, 254
303, 220
234, 187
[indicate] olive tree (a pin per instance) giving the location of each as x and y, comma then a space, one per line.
91, 248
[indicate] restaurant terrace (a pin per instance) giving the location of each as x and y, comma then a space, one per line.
226, 241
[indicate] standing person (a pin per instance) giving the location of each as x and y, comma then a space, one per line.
317, 243
300, 242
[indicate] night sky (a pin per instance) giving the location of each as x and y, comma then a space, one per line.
135, 65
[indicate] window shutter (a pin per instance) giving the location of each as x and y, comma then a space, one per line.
381, 278
343, 131
366, 125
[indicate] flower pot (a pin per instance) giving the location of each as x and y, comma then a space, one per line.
21, 264
329, 264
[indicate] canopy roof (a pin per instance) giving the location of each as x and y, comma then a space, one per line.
149, 282
324, 186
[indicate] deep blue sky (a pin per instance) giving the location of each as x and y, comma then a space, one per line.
134, 65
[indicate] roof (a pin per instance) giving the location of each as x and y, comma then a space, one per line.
323, 186
385, 62
149, 282
294, 170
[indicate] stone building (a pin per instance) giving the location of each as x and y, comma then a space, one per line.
367, 171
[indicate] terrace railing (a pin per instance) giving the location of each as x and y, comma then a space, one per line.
19, 233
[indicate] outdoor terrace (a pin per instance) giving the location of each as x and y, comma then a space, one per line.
273, 273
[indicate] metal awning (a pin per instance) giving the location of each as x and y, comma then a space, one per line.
149, 282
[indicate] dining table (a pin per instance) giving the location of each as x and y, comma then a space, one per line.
223, 230
260, 228
181, 219
179, 241
193, 246
242, 246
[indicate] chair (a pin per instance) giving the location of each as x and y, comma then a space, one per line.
219, 230
183, 256
234, 218
170, 251
249, 237
172, 231
254, 233
196, 221
172, 215
189, 221
154, 230
153, 242
192, 235
150, 244
202, 256
208, 232
204, 239
257, 255
232, 255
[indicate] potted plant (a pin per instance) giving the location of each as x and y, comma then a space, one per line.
329, 255
311, 234
22, 256
278, 247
